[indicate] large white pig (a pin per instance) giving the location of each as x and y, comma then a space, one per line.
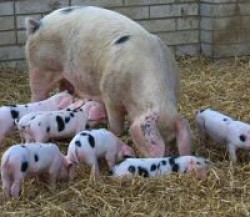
223, 130
8, 114
35, 159
103, 55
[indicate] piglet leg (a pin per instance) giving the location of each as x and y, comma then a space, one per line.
147, 137
6, 182
16, 186
183, 136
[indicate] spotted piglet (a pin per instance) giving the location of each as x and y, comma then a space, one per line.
42, 126
153, 167
88, 146
35, 159
9, 113
224, 130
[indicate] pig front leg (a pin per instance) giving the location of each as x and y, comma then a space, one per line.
200, 125
147, 137
116, 117
183, 136
232, 152
41, 82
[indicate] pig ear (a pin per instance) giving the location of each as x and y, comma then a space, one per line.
31, 25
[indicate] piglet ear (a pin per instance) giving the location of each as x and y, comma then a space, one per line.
31, 25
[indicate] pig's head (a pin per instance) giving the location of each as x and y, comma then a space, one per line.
67, 171
62, 99
198, 167
125, 151
96, 112
147, 137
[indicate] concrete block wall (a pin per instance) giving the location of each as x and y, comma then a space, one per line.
225, 28
175, 21
216, 28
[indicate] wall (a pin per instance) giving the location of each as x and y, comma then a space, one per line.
225, 28
216, 28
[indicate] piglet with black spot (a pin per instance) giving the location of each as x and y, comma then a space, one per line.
153, 167
8, 114
223, 130
40, 127
35, 159
88, 146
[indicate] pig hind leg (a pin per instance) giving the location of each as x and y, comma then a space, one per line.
183, 136
6, 183
17, 185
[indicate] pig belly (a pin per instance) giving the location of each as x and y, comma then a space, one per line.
217, 131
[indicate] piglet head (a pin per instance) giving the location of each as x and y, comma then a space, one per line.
198, 167
125, 152
63, 99
96, 112
67, 171
146, 135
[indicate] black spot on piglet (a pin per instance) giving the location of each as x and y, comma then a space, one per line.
67, 119
91, 141
14, 114
131, 169
153, 167
36, 158
60, 123
122, 39
78, 143
143, 172
24, 166
163, 162
242, 138
175, 167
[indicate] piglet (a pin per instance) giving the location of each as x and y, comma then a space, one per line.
42, 126
153, 167
223, 130
88, 146
9, 113
35, 159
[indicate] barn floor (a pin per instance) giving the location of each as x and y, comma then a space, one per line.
226, 191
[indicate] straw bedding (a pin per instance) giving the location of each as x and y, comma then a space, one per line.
226, 192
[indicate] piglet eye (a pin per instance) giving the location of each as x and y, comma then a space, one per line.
242, 138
